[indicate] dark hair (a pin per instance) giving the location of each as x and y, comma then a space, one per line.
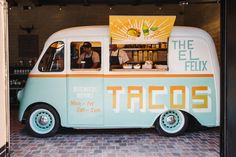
87, 44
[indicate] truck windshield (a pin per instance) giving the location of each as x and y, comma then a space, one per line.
53, 58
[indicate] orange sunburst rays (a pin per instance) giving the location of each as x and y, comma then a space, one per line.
122, 29
119, 35
156, 30
162, 33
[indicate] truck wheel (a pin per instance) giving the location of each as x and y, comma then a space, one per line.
172, 123
42, 121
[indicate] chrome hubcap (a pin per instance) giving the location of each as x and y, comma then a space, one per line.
43, 120
170, 119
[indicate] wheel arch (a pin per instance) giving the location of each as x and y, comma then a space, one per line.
174, 128
191, 117
39, 103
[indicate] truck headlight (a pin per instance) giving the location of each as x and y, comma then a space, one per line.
20, 94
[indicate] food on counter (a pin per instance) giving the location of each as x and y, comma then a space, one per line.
161, 67
127, 66
147, 65
133, 32
137, 66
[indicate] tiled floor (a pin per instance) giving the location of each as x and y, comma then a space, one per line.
113, 143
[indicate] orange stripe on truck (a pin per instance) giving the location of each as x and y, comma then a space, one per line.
47, 75
156, 75
119, 75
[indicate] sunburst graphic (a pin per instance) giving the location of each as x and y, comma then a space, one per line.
140, 29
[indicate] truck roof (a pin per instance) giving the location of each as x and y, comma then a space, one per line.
104, 31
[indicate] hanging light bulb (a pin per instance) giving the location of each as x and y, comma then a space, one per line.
183, 3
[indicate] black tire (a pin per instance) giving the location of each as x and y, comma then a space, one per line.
42, 121
179, 126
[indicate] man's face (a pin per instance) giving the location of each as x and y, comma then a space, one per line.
87, 50
113, 47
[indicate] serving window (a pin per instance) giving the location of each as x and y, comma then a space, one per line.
85, 55
141, 57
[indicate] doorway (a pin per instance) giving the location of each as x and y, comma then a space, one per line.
182, 12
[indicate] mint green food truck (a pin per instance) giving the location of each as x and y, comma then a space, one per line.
161, 85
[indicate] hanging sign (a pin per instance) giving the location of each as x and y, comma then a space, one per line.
140, 29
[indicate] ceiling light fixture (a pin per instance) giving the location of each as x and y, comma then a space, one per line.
26, 7
183, 3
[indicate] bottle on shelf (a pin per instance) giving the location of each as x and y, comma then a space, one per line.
153, 46
135, 56
145, 55
150, 55
149, 45
155, 58
140, 56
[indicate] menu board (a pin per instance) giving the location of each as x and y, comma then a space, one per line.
140, 29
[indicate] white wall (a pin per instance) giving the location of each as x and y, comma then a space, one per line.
3, 74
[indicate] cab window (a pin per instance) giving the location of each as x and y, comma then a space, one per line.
53, 58
85, 55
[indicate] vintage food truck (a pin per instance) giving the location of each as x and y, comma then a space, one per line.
161, 85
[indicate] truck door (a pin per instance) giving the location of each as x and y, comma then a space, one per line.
84, 82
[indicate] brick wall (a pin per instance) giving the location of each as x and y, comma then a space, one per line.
207, 17
49, 19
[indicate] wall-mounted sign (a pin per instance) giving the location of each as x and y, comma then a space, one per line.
140, 29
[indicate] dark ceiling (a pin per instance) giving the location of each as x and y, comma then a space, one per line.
107, 2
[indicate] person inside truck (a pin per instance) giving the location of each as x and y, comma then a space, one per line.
89, 58
118, 57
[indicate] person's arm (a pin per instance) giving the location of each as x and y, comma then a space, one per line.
124, 57
95, 65
96, 60
79, 61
